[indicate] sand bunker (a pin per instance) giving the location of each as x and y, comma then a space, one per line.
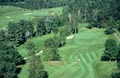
8, 17
39, 53
70, 37
27, 13
53, 13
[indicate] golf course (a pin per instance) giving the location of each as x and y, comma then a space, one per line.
59, 39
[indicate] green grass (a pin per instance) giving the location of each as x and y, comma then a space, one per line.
38, 41
100, 66
24, 71
17, 14
87, 45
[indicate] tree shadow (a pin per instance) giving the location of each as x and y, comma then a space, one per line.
18, 70
46, 75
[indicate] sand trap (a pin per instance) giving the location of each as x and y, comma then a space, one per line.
39, 53
53, 13
35, 54
70, 37
8, 17
26, 58
27, 13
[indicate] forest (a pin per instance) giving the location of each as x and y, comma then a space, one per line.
80, 40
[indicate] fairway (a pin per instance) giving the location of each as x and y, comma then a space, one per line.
79, 56
15, 14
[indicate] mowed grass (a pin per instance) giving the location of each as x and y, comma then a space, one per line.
15, 14
81, 57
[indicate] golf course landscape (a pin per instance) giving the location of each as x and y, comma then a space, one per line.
59, 39
80, 56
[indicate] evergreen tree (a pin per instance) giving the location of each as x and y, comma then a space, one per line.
36, 68
9, 59
2, 36
17, 32
111, 50
41, 30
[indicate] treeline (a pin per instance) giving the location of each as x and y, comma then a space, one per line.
2, 1
18, 32
35, 4
98, 13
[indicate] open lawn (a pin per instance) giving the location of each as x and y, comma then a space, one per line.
15, 14
80, 56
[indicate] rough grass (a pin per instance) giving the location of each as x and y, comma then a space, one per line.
17, 14
102, 70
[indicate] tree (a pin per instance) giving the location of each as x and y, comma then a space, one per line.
116, 75
2, 36
51, 54
41, 30
110, 28
8, 70
51, 51
16, 32
30, 29
118, 58
50, 43
36, 69
30, 45
111, 49
9, 59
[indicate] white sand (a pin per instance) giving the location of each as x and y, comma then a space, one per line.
25, 58
27, 13
35, 54
8, 17
53, 13
39, 53
70, 37
75, 62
